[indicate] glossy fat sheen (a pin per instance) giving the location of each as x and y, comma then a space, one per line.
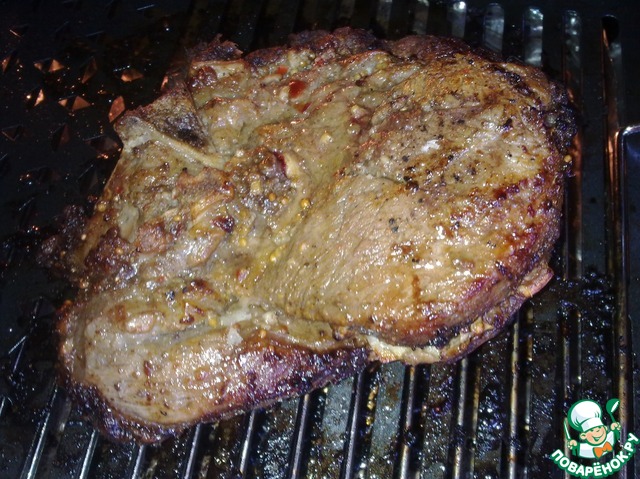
280, 219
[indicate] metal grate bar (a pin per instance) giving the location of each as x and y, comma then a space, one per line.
463, 430
570, 320
28, 404
511, 452
58, 417
247, 443
299, 448
354, 432
629, 151
493, 28
416, 388
14, 355
617, 252
572, 75
83, 473
32, 459
136, 461
226, 448
193, 443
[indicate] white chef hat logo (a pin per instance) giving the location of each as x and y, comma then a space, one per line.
596, 439
585, 415
597, 442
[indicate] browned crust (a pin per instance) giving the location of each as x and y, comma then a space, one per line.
449, 347
305, 371
532, 253
556, 120
311, 369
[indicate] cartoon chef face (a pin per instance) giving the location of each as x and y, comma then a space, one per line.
595, 436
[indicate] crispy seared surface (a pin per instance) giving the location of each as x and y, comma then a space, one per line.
282, 218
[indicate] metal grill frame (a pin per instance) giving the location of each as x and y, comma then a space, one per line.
67, 70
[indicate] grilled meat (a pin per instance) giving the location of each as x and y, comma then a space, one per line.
283, 218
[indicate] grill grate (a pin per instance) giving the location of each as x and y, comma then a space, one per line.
70, 68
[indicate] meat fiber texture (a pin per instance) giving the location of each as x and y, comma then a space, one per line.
279, 220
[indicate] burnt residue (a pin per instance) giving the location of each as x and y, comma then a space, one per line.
61, 238
591, 295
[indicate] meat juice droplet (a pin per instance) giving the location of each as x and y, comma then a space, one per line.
281, 162
296, 87
224, 222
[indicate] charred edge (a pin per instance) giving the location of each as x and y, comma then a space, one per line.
110, 257
217, 50
498, 317
561, 125
433, 331
515, 80
53, 252
344, 41
427, 48
180, 120
307, 371
186, 128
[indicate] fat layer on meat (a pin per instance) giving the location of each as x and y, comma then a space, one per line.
280, 219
